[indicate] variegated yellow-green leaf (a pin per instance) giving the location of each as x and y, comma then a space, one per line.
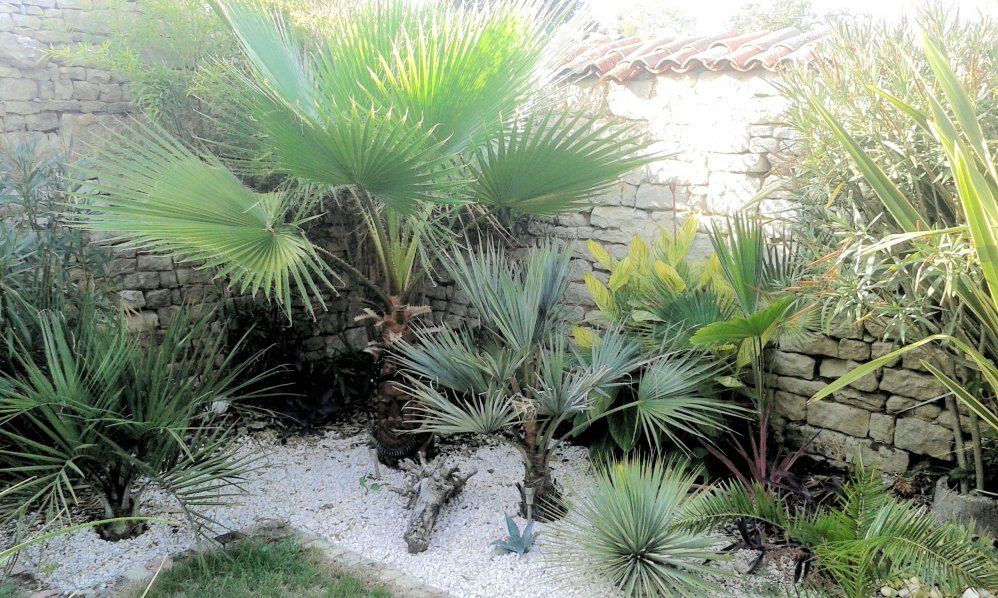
602, 296
585, 337
621, 275
638, 253
664, 241
670, 277
684, 240
602, 256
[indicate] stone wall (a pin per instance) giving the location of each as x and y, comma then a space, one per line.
68, 104
891, 418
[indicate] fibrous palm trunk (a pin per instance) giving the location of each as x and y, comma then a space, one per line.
538, 492
393, 422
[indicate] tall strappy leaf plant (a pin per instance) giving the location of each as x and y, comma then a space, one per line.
953, 123
397, 105
518, 377
100, 414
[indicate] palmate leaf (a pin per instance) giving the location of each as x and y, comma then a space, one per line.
759, 325
158, 195
669, 400
554, 163
485, 413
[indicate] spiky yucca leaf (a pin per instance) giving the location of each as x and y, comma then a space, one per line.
626, 531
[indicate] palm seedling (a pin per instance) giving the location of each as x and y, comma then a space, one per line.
864, 540
626, 530
100, 414
517, 376
405, 109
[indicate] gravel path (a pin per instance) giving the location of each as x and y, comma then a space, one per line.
314, 485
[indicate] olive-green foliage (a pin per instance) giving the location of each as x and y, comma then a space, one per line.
865, 539
771, 15
171, 53
902, 285
259, 569
625, 530
45, 264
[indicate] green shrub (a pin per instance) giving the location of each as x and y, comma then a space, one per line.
902, 286
45, 264
100, 413
519, 374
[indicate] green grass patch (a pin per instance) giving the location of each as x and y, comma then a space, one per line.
260, 569
9, 590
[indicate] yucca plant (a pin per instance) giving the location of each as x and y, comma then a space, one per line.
625, 531
864, 540
100, 414
518, 377
399, 106
953, 122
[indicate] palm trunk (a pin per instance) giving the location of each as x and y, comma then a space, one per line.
393, 420
538, 491
119, 502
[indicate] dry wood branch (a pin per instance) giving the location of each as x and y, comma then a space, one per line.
430, 486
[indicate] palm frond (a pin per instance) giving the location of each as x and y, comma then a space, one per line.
553, 164
157, 195
626, 531
485, 413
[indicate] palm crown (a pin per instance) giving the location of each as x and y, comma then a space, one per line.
406, 104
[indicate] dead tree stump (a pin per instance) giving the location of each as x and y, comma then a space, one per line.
430, 486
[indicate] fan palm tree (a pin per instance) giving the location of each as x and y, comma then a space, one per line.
517, 377
406, 109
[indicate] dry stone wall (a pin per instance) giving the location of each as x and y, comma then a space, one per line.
68, 104
71, 106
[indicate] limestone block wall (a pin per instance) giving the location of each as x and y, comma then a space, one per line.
891, 418
68, 104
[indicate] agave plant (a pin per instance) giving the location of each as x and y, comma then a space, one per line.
402, 105
102, 414
865, 539
517, 377
626, 531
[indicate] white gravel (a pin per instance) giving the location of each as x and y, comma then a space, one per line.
314, 485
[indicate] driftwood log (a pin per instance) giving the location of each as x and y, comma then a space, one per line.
430, 485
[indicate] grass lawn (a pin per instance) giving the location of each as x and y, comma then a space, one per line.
9, 591
259, 569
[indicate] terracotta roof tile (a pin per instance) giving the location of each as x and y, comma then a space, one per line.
624, 59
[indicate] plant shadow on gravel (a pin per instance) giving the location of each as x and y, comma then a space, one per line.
257, 568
